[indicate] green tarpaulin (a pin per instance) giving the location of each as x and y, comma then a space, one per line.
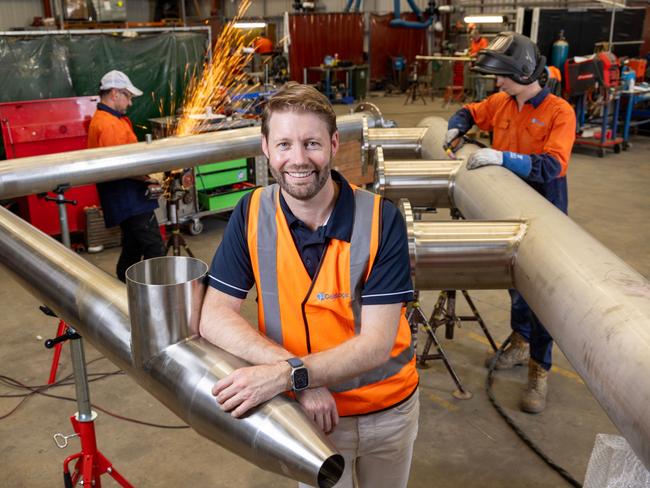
57, 66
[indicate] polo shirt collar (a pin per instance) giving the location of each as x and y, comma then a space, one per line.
106, 108
339, 225
537, 100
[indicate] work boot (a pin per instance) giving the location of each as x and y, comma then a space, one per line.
516, 354
534, 398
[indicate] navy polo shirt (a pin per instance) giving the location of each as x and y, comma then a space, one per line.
390, 279
121, 199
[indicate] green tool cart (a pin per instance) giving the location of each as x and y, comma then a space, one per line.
221, 185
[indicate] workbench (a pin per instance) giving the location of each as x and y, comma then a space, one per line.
632, 97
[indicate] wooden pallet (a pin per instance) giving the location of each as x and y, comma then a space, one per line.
96, 232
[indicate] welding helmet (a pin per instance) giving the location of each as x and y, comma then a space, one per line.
513, 56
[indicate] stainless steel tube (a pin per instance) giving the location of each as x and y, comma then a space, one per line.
24, 176
425, 183
276, 436
595, 306
461, 255
398, 142
165, 298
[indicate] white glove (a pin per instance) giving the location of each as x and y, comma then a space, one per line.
451, 136
485, 157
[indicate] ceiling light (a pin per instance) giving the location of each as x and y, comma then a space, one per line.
249, 25
484, 19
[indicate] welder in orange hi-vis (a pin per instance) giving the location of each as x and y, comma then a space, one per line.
533, 134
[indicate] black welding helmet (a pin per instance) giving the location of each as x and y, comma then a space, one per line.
513, 56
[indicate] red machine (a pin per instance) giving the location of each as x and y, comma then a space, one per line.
37, 127
611, 68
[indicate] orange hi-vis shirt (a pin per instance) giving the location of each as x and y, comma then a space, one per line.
306, 315
108, 130
476, 46
549, 128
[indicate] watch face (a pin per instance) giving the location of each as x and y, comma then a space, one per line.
300, 379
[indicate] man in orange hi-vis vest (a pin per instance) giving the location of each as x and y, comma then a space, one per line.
330, 264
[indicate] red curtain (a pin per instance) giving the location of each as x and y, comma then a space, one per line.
387, 41
313, 36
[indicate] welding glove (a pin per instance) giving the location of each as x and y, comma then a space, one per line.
451, 136
519, 164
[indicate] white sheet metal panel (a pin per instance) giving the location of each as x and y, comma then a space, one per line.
19, 13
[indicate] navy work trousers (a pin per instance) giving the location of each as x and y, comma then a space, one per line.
525, 323
141, 239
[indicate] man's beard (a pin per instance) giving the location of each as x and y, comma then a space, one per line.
305, 191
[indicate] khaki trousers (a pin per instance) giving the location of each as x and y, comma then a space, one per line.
377, 447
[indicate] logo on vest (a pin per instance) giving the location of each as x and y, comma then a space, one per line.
331, 296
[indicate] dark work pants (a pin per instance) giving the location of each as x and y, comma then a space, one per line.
525, 323
140, 239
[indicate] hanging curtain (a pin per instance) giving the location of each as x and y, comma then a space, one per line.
313, 36
387, 41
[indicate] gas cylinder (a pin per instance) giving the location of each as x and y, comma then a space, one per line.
559, 51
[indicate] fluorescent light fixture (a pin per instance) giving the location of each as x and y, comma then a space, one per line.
249, 25
484, 19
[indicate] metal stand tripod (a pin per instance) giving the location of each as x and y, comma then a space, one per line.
90, 462
174, 194
444, 313
61, 203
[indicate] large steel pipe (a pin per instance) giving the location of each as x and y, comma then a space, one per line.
403, 142
594, 305
24, 176
276, 436
461, 255
425, 183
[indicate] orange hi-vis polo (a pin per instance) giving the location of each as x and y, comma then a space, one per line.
476, 46
548, 128
108, 130
307, 316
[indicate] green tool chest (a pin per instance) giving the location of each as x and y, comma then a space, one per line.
216, 201
214, 184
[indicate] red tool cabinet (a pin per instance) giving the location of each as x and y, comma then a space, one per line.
37, 127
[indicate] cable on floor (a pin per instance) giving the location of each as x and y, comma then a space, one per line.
32, 390
517, 430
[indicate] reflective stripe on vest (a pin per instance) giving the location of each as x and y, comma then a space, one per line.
360, 242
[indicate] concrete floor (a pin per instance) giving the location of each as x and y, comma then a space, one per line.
461, 443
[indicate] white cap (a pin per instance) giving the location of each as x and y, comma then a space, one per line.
117, 79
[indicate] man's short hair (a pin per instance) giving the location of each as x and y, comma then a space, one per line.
294, 97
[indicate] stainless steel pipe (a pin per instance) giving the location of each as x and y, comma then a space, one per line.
24, 176
461, 255
276, 436
398, 142
165, 298
596, 307
425, 183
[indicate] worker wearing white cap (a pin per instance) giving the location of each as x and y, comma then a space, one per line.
124, 202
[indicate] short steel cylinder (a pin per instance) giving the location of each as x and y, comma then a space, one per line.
398, 142
462, 255
425, 183
165, 298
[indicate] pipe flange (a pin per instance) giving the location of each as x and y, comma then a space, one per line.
380, 172
365, 146
404, 206
372, 109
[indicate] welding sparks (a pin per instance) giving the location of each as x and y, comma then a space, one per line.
223, 78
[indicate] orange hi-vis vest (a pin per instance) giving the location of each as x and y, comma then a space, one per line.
307, 316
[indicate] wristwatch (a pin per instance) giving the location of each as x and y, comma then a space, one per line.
299, 375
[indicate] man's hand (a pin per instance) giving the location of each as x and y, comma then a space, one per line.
246, 388
485, 157
319, 404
